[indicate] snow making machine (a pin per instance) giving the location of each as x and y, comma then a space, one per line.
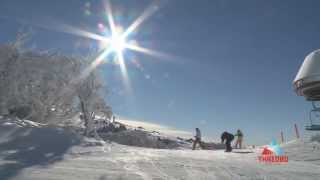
307, 84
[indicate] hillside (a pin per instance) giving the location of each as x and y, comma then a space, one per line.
30, 151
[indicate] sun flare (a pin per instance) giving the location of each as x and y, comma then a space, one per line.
117, 43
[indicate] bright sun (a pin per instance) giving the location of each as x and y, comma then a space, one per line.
117, 43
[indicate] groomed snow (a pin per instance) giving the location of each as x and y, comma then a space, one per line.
35, 153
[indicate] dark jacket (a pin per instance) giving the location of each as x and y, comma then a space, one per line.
227, 137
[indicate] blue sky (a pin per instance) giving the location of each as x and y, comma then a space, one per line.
232, 62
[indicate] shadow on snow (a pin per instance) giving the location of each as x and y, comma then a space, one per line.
28, 147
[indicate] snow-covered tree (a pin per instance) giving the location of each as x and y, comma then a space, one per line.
44, 86
35, 81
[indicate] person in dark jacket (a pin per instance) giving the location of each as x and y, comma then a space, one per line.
227, 138
197, 140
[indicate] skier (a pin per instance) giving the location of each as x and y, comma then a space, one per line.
228, 138
239, 134
197, 140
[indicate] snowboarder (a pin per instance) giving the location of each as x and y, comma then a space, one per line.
239, 134
197, 140
228, 138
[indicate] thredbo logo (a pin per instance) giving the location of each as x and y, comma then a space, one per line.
273, 154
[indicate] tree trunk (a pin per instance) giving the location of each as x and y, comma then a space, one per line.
85, 118
88, 121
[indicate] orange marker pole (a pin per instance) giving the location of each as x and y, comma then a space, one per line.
297, 131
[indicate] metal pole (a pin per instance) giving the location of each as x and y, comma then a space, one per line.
282, 138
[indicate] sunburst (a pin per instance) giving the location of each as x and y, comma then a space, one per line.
117, 41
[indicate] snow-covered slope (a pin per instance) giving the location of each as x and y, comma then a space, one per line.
47, 153
303, 150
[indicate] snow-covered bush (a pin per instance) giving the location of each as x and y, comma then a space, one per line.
45, 86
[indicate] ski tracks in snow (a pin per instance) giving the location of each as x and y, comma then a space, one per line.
115, 162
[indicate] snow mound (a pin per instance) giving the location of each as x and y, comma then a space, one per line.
137, 136
24, 144
307, 150
142, 138
127, 134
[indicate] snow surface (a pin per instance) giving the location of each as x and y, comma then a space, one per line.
49, 153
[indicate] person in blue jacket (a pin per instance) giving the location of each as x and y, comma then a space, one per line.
197, 140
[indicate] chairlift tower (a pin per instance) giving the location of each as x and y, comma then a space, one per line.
307, 84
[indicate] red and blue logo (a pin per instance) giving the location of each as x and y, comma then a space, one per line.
273, 153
